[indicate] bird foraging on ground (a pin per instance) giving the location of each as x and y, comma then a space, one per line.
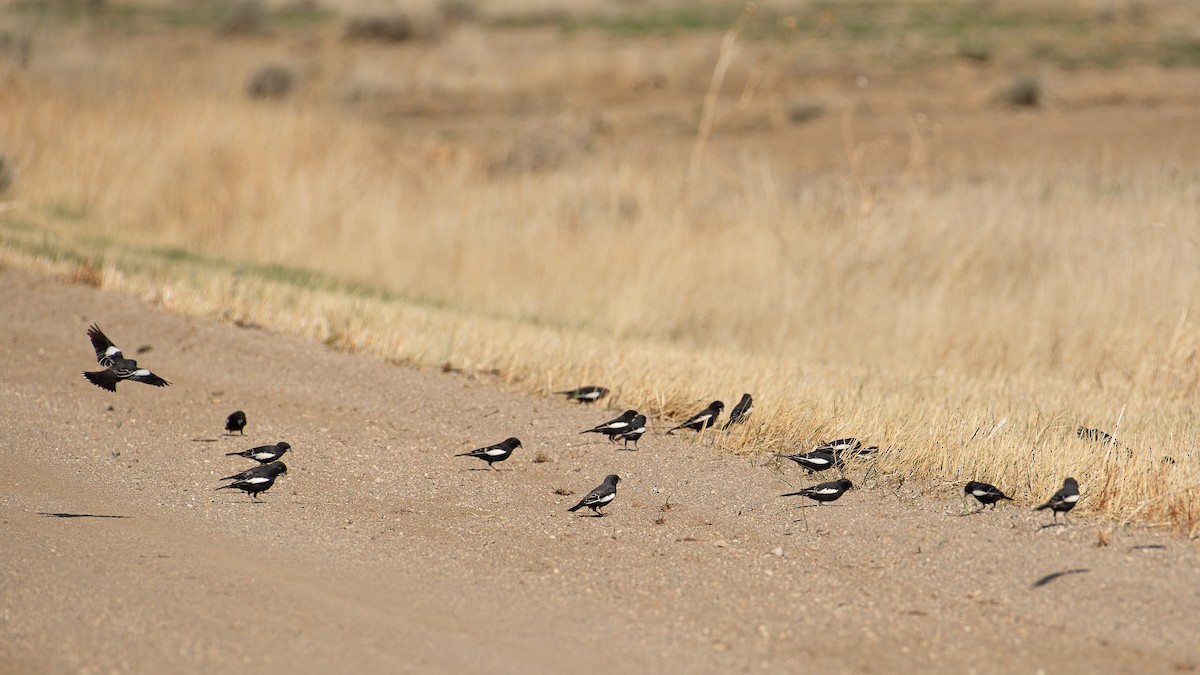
494, 453
600, 497
637, 427
255, 484
817, 460
840, 446
986, 494
1062, 501
269, 469
614, 427
117, 367
264, 454
236, 422
823, 492
589, 394
740, 411
703, 419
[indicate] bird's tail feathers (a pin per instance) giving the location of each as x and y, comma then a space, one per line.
231, 454
576, 507
1042, 507
97, 378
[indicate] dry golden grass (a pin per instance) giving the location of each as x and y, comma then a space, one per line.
964, 294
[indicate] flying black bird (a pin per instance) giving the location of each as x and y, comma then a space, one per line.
740, 411
264, 454
823, 492
260, 483
584, 394
1064, 500
817, 460
236, 422
270, 469
600, 497
117, 367
986, 494
494, 453
636, 429
614, 427
703, 419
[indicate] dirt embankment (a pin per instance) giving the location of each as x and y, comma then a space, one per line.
380, 552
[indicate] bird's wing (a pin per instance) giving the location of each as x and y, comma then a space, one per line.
106, 352
147, 377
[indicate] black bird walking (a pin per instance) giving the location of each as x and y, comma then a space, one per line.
636, 429
236, 422
494, 453
264, 454
584, 394
823, 492
1064, 500
986, 494
117, 367
703, 419
817, 460
259, 483
840, 445
740, 411
600, 497
270, 469
614, 427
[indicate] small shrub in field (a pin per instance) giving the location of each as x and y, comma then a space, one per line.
975, 51
271, 81
242, 17
6, 174
458, 11
1025, 92
804, 109
394, 27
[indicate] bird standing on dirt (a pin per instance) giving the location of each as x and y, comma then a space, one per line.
258, 483
264, 454
494, 453
1062, 501
270, 469
986, 494
117, 367
636, 429
600, 497
817, 460
584, 394
824, 492
740, 411
236, 422
614, 427
703, 419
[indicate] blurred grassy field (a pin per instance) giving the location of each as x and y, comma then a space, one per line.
958, 230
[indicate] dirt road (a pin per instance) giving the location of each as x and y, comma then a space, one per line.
380, 552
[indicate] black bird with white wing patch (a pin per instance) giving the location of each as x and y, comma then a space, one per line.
703, 419
494, 453
986, 494
817, 460
264, 454
637, 428
261, 482
589, 394
116, 366
740, 411
614, 427
600, 497
236, 422
823, 492
1064, 500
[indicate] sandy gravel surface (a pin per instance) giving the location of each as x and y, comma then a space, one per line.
380, 552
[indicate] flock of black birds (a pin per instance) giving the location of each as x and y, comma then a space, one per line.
628, 426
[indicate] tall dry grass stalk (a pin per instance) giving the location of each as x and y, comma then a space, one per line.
1042, 297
